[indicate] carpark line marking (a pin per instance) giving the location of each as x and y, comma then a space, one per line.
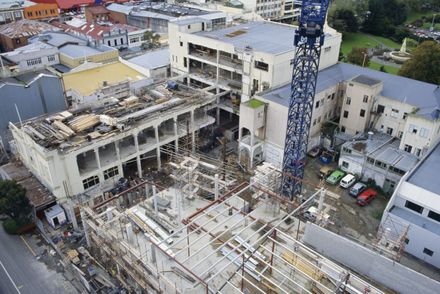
12, 281
27, 245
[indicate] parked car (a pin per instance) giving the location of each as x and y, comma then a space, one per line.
347, 181
325, 171
311, 213
335, 177
366, 197
315, 152
357, 189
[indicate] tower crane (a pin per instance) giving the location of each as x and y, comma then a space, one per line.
309, 38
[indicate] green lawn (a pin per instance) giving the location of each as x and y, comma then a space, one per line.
388, 69
413, 16
427, 25
362, 40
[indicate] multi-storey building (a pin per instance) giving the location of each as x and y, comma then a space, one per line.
41, 11
414, 209
240, 60
12, 10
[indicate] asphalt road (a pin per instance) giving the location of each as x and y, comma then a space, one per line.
20, 272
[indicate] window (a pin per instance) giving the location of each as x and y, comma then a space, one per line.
348, 101
407, 148
108, 43
362, 113
116, 42
428, 251
434, 215
412, 129
51, 58
414, 207
380, 109
185, 62
342, 129
418, 151
394, 112
345, 114
345, 164
29, 13
90, 182
390, 131
122, 41
400, 135
317, 104
327, 49
329, 97
314, 121
189, 26
181, 44
34, 61
17, 40
370, 160
424, 133
333, 96
405, 115
365, 98
111, 172
261, 65
406, 241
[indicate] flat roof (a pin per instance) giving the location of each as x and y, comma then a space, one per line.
395, 87
154, 59
58, 39
366, 80
425, 175
89, 80
76, 51
262, 36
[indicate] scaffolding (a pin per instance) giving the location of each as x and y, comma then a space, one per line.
228, 245
391, 238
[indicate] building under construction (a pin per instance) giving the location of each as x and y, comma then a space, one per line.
209, 233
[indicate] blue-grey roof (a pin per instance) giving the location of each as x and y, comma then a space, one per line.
424, 96
262, 36
150, 14
425, 175
57, 39
416, 219
76, 51
151, 60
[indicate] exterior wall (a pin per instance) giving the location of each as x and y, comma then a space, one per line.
420, 134
45, 95
136, 39
118, 17
91, 17
353, 103
392, 120
267, 9
8, 44
158, 25
41, 11
55, 167
47, 57
104, 57
11, 15
116, 39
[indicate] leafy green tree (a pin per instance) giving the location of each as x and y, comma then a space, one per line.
359, 56
383, 16
13, 200
424, 64
152, 40
344, 20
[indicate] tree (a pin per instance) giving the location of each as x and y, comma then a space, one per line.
152, 40
359, 56
344, 20
382, 68
383, 17
424, 64
13, 200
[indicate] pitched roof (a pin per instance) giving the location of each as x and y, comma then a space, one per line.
424, 96
25, 28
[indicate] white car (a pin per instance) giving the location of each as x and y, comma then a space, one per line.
347, 181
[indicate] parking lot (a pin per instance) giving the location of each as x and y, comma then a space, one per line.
347, 218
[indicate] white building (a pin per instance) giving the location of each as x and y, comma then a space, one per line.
415, 207
240, 60
364, 100
86, 152
267, 9
153, 64
35, 56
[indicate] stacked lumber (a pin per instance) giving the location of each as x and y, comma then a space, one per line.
84, 122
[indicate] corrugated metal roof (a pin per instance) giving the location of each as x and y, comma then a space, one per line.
424, 96
151, 60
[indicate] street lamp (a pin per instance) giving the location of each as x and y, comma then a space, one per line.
365, 57
432, 24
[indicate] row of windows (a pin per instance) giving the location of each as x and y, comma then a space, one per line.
423, 132
419, 209
348, 100
383, 165
361, 113
328, 115
115, 41
34, 61
94, 180
41, 12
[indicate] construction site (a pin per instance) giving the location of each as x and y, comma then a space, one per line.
209, 233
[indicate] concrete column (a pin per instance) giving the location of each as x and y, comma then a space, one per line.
109, 214
85, 227
71, 213
218, 112
100, 174
129, 230
118, 155
193, 132
156, 134
216, 187
321, 199
147, 191
156, 209
176, 134
138, 157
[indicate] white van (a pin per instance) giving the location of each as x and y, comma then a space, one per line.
347, 181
